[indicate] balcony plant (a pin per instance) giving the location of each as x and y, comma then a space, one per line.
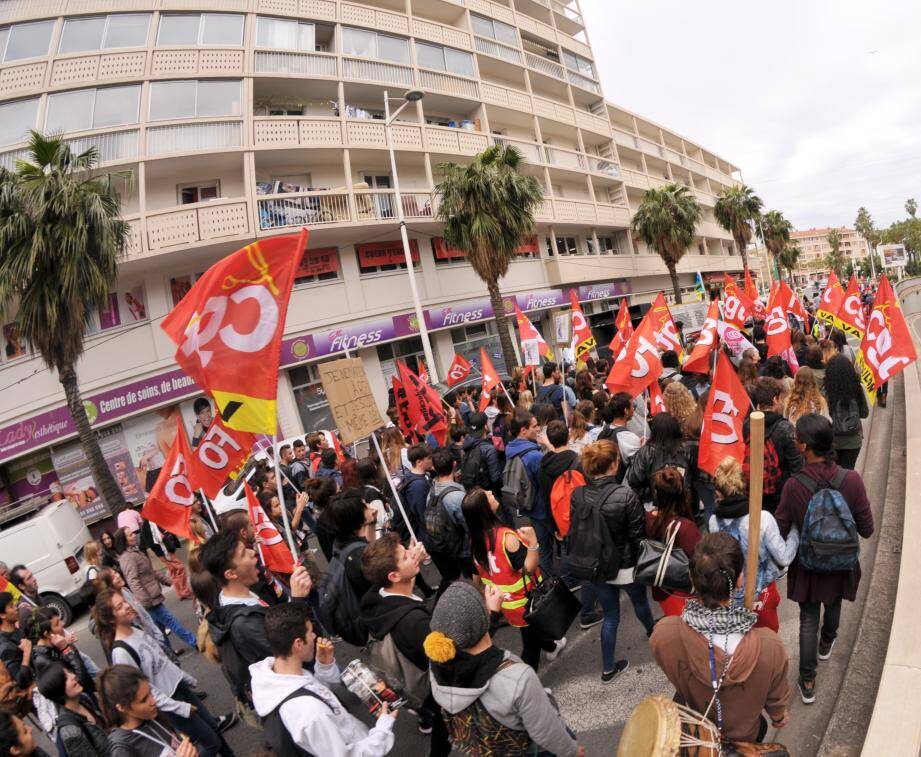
487, 208
60, 242
735, 210
666, 221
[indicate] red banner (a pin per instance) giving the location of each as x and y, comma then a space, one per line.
373, 254
666, 331
221, 452
315, 262
443, 252
707, 340
887, 346
529, 246
776, 324
459, 370
401, 402
727, 408
424, 405
490, 378
275, 552
638, 365
228, 329
169, 503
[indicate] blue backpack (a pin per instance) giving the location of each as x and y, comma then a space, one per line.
829, 542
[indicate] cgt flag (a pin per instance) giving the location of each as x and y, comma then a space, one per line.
490, 379
459, 370
220, 455
424, 405
737, 307
624, 328
656, 400
751, 291
582, 340
666, 331
699, 359
776, 324
275, 553
638, 363
887, 347
850, 316
831, 301
727, 408
228, 329
169, 503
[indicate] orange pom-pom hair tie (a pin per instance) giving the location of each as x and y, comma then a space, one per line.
438, 647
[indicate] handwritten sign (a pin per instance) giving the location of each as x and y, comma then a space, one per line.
350, 399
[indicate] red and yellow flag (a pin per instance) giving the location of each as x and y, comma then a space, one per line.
533, 346
887, 347
624, 328
751, 291
850, 315
831, 301
582, 340
220, 454
666, 331
737, 307
228, 329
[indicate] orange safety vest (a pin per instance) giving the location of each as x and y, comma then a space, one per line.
510, 582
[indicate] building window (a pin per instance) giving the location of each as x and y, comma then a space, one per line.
564, 245
194, 99
284, 34
579, 64
200, 29
23, 41
321, 264
92, 108
605, 246
408, 350
16, 118
15, 345
310, 398
200, 192
383, 257
365, 44
486, 27
125, 307
469, 339
104, 32
444, 59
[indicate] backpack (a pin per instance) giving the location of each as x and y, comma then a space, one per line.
829, 542
442, 535
518, 491
612, 432
233, 666
561, 496
846, 417
592, 553
553, 395
277, 736
410, 682
476, 733
474, 469
339, 608
773, 472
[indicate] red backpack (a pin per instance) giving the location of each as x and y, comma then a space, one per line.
561, 497
772, 471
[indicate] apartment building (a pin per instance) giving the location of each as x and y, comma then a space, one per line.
243, 119
814, 245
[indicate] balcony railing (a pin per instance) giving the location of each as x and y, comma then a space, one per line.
563, 158
498, 50
372, 70
635, 178
437, 81
313, 64
162, 140
303, 209
625, 139
381, 205
531, 151
200, 222
545, 66
603, 166
581, 81
112, 146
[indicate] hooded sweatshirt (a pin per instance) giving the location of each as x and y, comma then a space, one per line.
552, 466
756, 679
406, 618
322, 728
514, 696
530, 456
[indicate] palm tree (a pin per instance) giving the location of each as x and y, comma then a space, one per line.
666, 221
60, 241
911, 207
774, 231
834, 259
788, 258
866, 229
736, 208
487, 208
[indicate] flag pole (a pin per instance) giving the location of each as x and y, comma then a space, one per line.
755, 488
393, 489
206, 506
281, 497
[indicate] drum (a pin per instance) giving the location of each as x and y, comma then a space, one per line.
660, 727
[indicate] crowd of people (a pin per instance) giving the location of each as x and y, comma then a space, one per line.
554, 478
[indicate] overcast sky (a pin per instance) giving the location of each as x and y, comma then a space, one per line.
817, 101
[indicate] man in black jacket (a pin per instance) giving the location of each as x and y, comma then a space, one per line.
393, 608
416, 485
481, 466
15, 650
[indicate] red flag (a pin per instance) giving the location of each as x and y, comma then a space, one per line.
727, 408
638, 363
459, 370
275, 552
221, 452
169, 503
533, 346
666, 331
751, 291
887, 346
776, 325
831, 301
228, 329
401, 402
424, 405
656, 400
699, 360
624, 328
794, 305
490, 379
736, 306
423, 371
582, 340
850, 315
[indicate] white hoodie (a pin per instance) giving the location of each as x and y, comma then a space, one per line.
329, 731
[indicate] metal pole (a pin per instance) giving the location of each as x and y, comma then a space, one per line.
870, 254
393, 489
281, 499
417, 306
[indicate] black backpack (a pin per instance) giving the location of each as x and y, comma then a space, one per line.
553, 395
277, 736
845, 417
340, 606
593, 556
612, 432
442, 534
474, 469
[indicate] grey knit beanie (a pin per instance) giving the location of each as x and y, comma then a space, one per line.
461, 615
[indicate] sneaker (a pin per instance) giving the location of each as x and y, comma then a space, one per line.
560, 645
591, 621
227, 721
619, 667
806, 691
825, 648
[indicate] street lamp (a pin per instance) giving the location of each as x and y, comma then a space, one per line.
413, 95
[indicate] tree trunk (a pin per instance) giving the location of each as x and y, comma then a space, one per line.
505, 339
673, 272
103, 477
740, 241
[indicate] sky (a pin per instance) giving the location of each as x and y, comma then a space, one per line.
818, 102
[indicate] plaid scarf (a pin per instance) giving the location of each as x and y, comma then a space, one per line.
721, 620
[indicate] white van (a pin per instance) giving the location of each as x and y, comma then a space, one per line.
50, 544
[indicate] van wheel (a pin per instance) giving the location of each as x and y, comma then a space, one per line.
60, 604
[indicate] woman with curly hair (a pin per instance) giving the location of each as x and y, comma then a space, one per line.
805, 397
847, 404
585, 385
748, 373
679, 402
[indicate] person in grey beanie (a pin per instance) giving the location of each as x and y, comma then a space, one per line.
467, 667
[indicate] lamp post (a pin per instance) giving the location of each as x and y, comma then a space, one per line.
411, 96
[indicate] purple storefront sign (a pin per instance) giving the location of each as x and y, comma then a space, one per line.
457, 315
103, 408
603, 291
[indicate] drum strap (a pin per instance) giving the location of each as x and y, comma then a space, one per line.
717, 683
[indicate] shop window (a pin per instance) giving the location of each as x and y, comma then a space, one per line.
382, 257
310, 398
408, 350
189, 193
469, 339
321, 264
179, 286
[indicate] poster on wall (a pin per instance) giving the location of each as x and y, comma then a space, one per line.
133, 308
13, 344
109, 316
32, 480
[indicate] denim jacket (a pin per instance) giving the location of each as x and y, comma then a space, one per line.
775, 553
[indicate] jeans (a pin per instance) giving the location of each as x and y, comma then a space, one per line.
809, 633
451, 569
531, 645
200, 726
707, 496
544, 531
588, 595
609, 596
165, 619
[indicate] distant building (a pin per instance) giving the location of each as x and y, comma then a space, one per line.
815, 247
